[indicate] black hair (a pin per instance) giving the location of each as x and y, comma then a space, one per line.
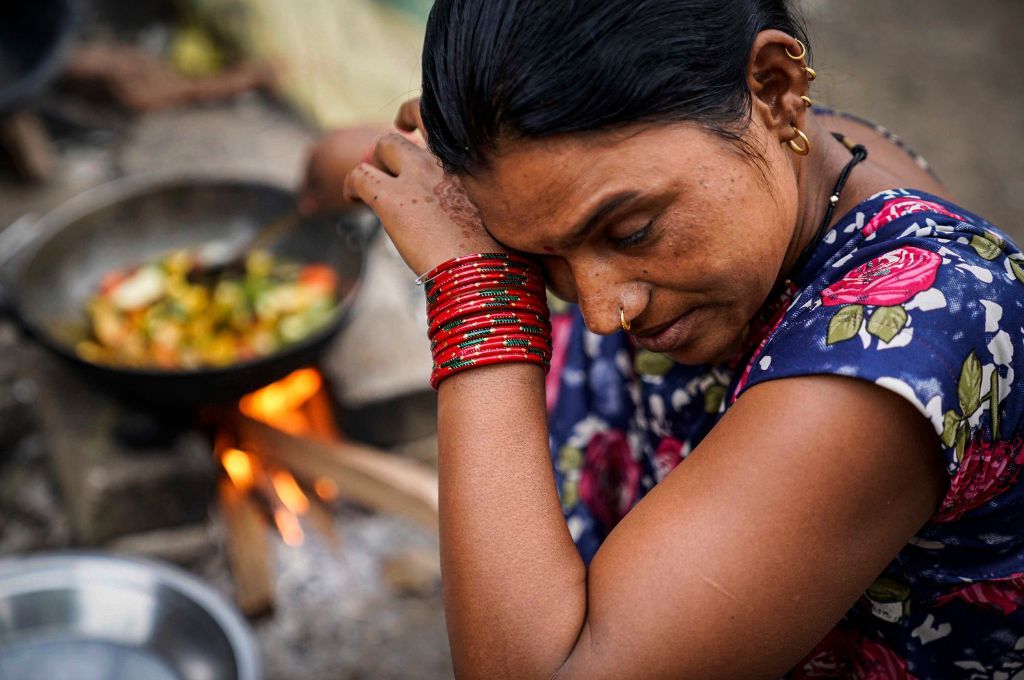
527, 69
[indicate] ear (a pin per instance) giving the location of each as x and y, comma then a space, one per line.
776, 82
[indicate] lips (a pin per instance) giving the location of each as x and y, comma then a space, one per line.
667, 336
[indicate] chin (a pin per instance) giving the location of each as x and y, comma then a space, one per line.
712, 347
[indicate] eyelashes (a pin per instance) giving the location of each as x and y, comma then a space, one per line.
636, 238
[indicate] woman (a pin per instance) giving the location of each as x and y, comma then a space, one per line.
835, 357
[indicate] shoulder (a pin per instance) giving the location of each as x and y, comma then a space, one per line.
925, 300
909, 278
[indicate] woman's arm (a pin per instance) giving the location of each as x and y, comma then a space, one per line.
515, 586
734, 566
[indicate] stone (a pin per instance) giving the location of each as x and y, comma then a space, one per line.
111, 488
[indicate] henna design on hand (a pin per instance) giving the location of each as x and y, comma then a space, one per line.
452, 199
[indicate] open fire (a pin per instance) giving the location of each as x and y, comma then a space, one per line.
286, 405
286, 464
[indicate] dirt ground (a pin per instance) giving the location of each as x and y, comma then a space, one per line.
945, 75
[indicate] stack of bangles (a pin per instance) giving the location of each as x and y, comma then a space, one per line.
486, 309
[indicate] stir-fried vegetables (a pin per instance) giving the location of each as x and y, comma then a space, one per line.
155, 315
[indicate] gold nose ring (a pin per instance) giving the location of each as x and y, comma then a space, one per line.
626, 325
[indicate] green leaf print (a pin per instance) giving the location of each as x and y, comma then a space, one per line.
845, 323
1017, 270
950, 423
986, 246
713, 397
651, 363
890, 599
570, 494
961, 440
887, 322
969, 387
993, 403
570, 458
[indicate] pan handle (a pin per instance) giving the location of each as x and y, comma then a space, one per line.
13, 241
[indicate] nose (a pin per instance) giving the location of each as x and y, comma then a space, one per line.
605, 299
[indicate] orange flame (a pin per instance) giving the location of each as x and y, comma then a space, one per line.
278, 404
288, 525
326, 489
288, 491
239, 466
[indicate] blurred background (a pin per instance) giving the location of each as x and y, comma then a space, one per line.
944, 76
306, 500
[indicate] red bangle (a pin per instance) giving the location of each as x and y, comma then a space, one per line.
467, 348
498, 298
486, 309
442, 371
492, 320
488, 281
483, 307
479, 260
491, 325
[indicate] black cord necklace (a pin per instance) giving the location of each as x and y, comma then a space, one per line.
859, 154
780, 294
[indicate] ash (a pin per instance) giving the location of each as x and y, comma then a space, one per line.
337, 617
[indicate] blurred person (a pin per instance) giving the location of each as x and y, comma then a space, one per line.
782, 297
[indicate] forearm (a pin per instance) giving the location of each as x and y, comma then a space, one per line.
515, 587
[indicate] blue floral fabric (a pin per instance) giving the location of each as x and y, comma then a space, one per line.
911, 293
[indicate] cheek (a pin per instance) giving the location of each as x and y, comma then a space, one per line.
559, 279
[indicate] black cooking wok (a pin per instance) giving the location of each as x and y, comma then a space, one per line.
50, 279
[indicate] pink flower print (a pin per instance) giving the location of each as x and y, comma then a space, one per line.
1003, 595
875, 661
610, 481
827, 660
667, 456
761, 330
889, 279
848, 654
898, 207
986, 470
561, 330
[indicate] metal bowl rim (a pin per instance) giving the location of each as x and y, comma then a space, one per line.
236, 630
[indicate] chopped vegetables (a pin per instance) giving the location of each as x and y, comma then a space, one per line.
155, 316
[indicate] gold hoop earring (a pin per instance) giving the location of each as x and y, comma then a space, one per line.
625, 323
797, 57
807, 100
811, 73
796, 147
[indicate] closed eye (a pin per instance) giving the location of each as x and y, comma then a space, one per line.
635, 238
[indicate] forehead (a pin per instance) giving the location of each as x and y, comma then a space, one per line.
540, 188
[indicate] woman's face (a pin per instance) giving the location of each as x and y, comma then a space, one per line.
669, 223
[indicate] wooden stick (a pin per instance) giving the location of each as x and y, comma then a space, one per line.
322, 520
248, 550
320, 414
381, 481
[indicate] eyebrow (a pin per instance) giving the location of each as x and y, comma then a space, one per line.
608, 206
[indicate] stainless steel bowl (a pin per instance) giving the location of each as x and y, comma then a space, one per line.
86, 616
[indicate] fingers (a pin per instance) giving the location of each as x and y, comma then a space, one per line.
393, 152
365, 183
409, 118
